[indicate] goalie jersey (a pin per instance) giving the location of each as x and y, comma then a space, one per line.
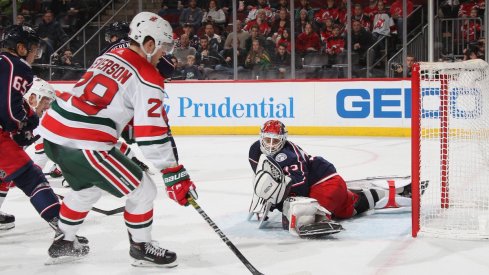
304, 169
120, 86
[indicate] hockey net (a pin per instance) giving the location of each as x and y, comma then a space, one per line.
450, 149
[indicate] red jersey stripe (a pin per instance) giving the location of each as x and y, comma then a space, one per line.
138, 218
60, 129
106, 173
123, 170
149, 131
71, 214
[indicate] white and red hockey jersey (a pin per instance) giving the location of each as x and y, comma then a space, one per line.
383, 24
120, 86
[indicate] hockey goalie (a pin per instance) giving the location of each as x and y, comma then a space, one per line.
307, 189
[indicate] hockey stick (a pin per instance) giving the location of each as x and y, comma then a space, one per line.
223, 237
102, 211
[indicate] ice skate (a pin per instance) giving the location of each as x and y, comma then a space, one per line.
7, 221
63, 251
54, 225
150, 254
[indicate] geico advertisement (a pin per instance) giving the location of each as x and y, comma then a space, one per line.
345, 103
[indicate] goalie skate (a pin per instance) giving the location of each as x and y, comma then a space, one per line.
319, 229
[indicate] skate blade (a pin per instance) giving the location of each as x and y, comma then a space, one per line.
62, 260
7, 226
144, 263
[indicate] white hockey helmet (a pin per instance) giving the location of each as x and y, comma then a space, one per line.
150, 24
40, 89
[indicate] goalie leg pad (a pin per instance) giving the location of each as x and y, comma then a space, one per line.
391, 197
302, 211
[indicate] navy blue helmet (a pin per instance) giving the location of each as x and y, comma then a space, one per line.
119, 29
15, 34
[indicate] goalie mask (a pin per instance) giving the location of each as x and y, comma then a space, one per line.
273, 136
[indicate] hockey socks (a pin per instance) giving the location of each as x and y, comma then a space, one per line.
34, 184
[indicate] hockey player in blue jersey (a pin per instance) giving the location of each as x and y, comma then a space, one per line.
18, 120
307, 189
21, 46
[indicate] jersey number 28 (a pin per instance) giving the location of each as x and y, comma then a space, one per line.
93, 101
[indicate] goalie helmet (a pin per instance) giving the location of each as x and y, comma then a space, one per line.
273, 136
118, 29
146, 24
40, 89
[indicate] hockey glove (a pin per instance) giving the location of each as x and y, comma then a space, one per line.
25, 138
178, 184
30, 123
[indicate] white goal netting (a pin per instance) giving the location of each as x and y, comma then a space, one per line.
454, 149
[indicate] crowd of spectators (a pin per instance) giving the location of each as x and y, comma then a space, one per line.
55, 21
462, 25
204, 33
203, 29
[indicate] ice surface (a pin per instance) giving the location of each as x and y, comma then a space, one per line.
371, 244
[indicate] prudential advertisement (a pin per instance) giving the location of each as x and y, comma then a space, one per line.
313, 105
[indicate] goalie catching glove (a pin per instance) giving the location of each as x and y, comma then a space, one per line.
304, 217
178, 184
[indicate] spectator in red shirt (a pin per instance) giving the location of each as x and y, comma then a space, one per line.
261, 22
335, 46
372, 9
471, 29
397, 12
327, 31
284, 39
330, 11
465, 8
308, 41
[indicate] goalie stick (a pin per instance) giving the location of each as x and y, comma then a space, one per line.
223, 237
102, 211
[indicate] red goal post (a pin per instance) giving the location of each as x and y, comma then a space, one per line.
450, 149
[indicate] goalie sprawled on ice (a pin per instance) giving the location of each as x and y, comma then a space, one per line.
308, 190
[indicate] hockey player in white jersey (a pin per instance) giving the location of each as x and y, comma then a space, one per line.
82, 127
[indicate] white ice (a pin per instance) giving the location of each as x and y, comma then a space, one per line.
371, 244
